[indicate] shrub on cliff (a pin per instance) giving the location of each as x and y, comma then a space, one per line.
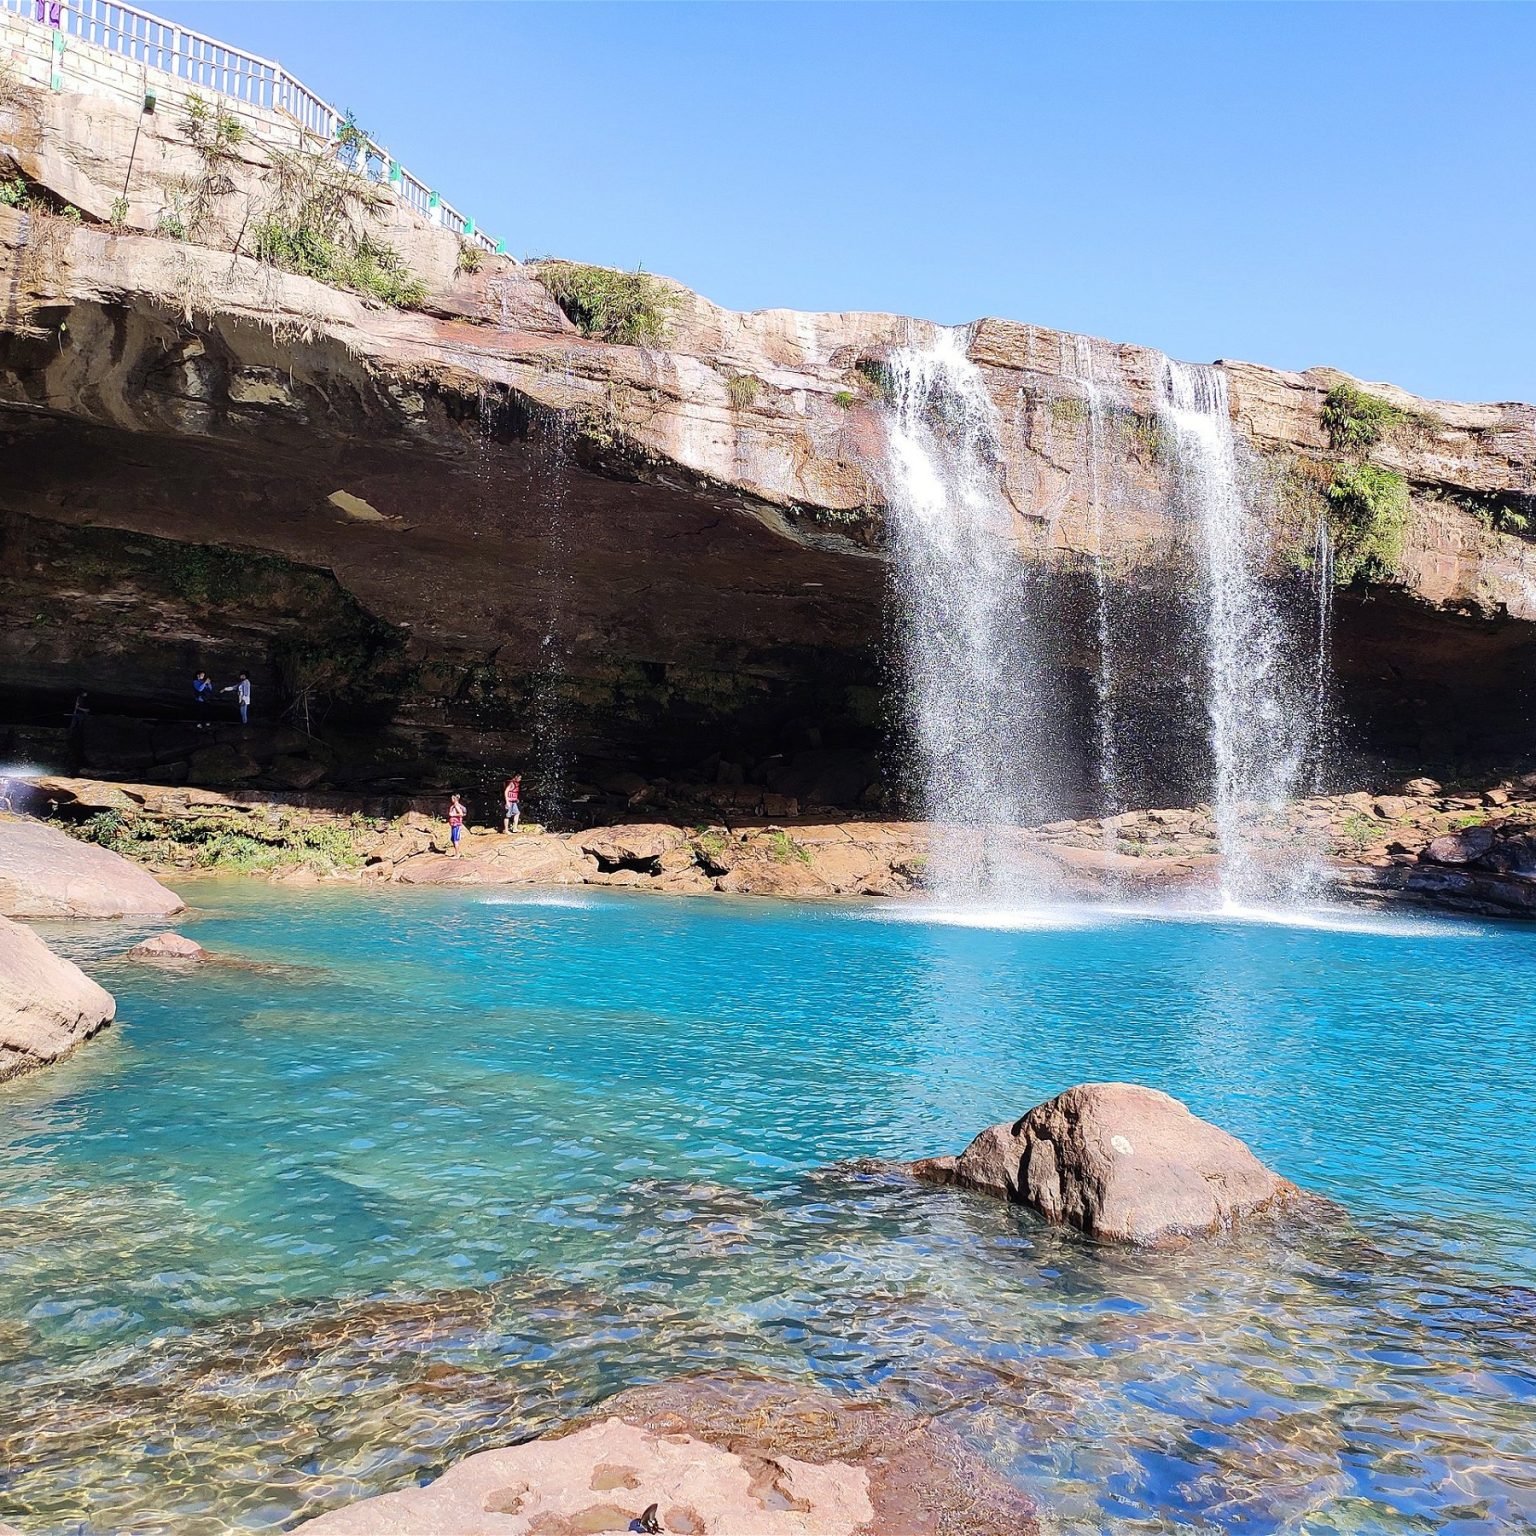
316, 224
1369, 512
630, 308
1354, 418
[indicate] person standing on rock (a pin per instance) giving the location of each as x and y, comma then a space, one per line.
242, 693
512, 795
202, 695
456, 814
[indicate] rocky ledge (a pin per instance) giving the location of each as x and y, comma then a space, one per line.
1464, 848
712, 1456
1121, 1163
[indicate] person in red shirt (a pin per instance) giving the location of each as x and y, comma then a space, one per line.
512, 796
456, 814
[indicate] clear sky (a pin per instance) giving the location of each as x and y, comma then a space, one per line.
1289, 184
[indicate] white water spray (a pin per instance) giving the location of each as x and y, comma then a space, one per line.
970, 675
1257, 738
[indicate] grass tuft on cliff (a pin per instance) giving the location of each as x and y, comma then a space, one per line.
629, 308
1368, 509
1354, 418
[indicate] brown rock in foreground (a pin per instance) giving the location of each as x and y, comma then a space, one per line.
48, 1005
1122, 1163
168, 946
716, 1456
47, 873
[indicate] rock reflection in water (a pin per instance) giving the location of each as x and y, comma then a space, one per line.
1311, 1373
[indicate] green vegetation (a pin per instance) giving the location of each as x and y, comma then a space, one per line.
743, 390
14, 193
246, 844
1357, 833
1504, 512
1067, 411
1355, 419
315, 225
782, 847
630, 308
118, 217
1369, 513
216, 136
845, 398
471, 258
876, 378
1146, 437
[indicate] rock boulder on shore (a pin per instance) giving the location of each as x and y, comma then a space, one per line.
47, 873
1119, 1162
716, 1456
48, 1005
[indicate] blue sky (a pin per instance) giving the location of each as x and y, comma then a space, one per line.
1290, 184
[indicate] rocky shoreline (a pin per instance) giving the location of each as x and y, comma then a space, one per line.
1468, 848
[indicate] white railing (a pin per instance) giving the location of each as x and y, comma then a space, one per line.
205, 64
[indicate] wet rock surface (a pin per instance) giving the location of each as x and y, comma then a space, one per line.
48, 1005
1121, 1163
713, 1456
46, 873
173, 947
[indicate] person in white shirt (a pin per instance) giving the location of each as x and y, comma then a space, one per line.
242, 693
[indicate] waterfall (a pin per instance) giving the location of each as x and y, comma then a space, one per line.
1104, 676
1258, 734
970, 675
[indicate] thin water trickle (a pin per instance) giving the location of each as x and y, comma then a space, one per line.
551, 748
1111, 800
970, 672
1322, 655
1258, 733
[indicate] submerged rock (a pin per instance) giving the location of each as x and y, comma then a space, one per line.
46, 873
168, 946
1119, 1162
712, 1456
48, 1005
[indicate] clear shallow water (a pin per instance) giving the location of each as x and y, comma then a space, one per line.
452, 1166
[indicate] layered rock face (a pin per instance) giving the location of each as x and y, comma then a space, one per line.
469, 536
48, 1005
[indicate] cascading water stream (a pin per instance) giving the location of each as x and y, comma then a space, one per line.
969, 669
1258, 735
1104, 676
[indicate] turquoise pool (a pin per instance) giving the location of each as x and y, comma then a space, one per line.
435, 1169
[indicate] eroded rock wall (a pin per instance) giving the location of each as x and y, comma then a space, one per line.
470, 534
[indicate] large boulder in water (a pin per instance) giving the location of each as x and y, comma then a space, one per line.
48, 1005
1122, 1163
712, 1456
46, 873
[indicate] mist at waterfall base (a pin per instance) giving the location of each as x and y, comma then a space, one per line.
988, 715
453, 1167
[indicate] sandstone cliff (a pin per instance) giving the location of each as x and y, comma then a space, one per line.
467, 533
